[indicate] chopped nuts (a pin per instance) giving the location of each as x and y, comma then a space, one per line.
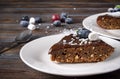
68, 60
93, 48
92, 55
100, 55
64, 41
69, 54
76, 57
89, 42
81, 58
58, 57
80, 48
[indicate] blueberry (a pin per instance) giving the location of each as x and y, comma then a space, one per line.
63, 19
38, 20
116, 9
24, 23
69, 20
83, 33
57, 23
63, 15
25, 18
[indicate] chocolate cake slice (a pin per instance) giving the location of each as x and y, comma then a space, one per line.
72, 49
109, 21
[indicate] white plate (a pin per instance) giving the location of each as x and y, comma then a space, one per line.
90, 23
35, 55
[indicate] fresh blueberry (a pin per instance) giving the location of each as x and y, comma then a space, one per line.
116, 9
69, 20
24, 23
25, 18
57, 23
63, 16
38, 20
83, 33
63, 19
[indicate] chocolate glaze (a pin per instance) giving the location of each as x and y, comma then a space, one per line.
73, 41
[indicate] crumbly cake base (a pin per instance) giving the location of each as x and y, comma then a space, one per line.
108, 22
81, 54
89, 51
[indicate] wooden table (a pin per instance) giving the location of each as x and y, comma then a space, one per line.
11, 11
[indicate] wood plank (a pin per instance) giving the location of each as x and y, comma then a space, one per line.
51, 10
45, 19
54, 1
56, 4
18, 69
21, 68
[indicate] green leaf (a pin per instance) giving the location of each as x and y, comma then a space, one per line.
117, 6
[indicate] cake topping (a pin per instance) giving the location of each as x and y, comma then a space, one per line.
83, 33
114, 14
115, 9
63, 16
117, 6
111, 10
57, 23
93, 36
69, 20
64, 41
73, 40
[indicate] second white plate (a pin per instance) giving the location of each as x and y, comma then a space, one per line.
90, 24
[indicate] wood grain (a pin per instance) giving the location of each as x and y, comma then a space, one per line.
11, 11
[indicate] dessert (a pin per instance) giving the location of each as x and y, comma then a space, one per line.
110, 20
73, 49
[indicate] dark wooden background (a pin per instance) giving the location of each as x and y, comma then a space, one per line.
11, 11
